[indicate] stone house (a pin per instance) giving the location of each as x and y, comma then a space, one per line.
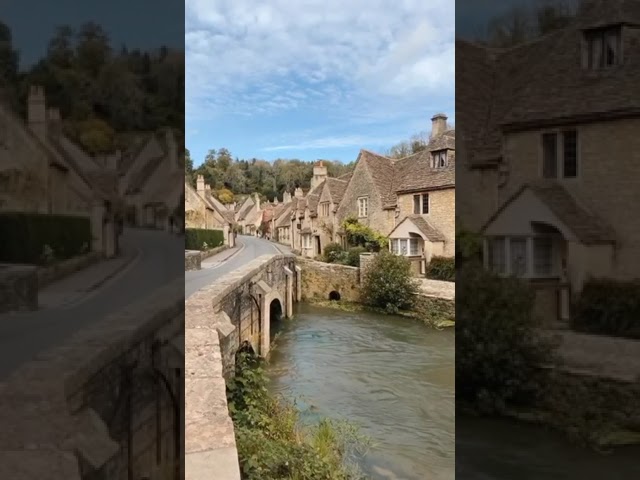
411, 200
249, 215
545, 122
41, 170
203, 210
152, 179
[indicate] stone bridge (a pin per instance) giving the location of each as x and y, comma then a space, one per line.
238, 308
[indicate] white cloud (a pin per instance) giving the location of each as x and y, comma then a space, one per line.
374, 58
336, 142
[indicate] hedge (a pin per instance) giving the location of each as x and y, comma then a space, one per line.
442, 268
195, 238
27, 237
608, 307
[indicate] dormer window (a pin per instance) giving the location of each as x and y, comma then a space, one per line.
439, 159
603, 47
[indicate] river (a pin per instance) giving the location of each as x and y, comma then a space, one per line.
391, 376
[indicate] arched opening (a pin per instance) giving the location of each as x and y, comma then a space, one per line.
275, 317
334, 295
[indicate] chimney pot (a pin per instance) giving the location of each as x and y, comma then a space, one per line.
438, 124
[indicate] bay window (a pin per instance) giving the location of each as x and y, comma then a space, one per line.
405, 246
530, 257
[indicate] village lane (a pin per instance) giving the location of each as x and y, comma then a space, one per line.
249, 248
158, 260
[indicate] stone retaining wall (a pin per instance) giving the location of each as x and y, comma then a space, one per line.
320, 279
192, 260
18, 288
48, 275
105, 404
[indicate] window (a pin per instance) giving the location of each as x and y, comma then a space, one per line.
363, 207
518, 251
395, 246
543, 256
497, 254
306, 241
603, 48
439, 159
324, 209
421, 204
413, 247
565, 151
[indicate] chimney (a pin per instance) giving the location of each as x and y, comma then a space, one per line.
298, 193
438, 124
200, 184
319, 174
37, 111
256, 199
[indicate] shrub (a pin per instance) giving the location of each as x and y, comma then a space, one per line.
36, 238
609, 307
270, 441
388, 283
498, 348
468, 247
332, 251
352, 256
360, 235
442, 268
202, 239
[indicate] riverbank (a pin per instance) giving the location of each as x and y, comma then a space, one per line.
433, 312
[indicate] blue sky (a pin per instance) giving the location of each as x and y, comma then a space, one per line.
315, 78
138, 23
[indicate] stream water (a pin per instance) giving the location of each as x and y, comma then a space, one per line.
391, 376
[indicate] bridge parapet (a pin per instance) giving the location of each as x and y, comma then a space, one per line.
218, 319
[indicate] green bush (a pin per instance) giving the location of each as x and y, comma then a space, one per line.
468, 247
609, 307
359, 235
332, 252
498, 347
203, 239
269, 439
388, 283
442, 268
36, 238
352, 256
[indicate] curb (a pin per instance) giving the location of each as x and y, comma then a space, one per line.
229, 257
118, 270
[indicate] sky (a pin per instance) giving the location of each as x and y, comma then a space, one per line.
315, 79
144, 24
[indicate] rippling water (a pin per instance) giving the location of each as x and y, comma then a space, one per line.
391, 376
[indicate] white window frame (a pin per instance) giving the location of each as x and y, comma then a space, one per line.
306, 241
363, 207
422, 195
530, 271
560, 173
402, 247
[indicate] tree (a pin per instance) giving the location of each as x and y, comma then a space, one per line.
225, 196
60, 51
188, 168
93, 49
96, 136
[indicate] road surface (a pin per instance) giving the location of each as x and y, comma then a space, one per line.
159, 260
248, 248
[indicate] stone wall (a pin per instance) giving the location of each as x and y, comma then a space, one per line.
106, 404
18, 288
319, 279
48, 275
218, 319
192, 260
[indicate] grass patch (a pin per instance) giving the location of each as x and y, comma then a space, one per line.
272, 443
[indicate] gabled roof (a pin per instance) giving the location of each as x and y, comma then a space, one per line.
381, 171
421, 223
284, 218
416, 173
141, 176
587, 227
337, 187
245, 208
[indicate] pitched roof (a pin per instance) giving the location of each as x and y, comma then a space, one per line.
381, 170
416, 173
590, 229
284, 218
337, 187
422, 224
543, 82
143, 174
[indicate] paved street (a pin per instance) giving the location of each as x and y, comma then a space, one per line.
72, 303
248, 248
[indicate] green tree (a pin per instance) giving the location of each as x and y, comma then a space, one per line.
225, 196
92, 49
388, 283
188, 168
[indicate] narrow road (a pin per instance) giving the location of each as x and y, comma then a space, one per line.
248, 248
25, 334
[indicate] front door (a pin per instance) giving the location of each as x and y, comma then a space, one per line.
318, 246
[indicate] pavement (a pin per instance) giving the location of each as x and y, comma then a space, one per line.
247, 248
150, 259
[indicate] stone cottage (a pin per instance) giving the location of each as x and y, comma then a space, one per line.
551, 152
411, 200
42, 170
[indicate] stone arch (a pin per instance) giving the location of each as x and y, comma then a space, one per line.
334, 295
265, 340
